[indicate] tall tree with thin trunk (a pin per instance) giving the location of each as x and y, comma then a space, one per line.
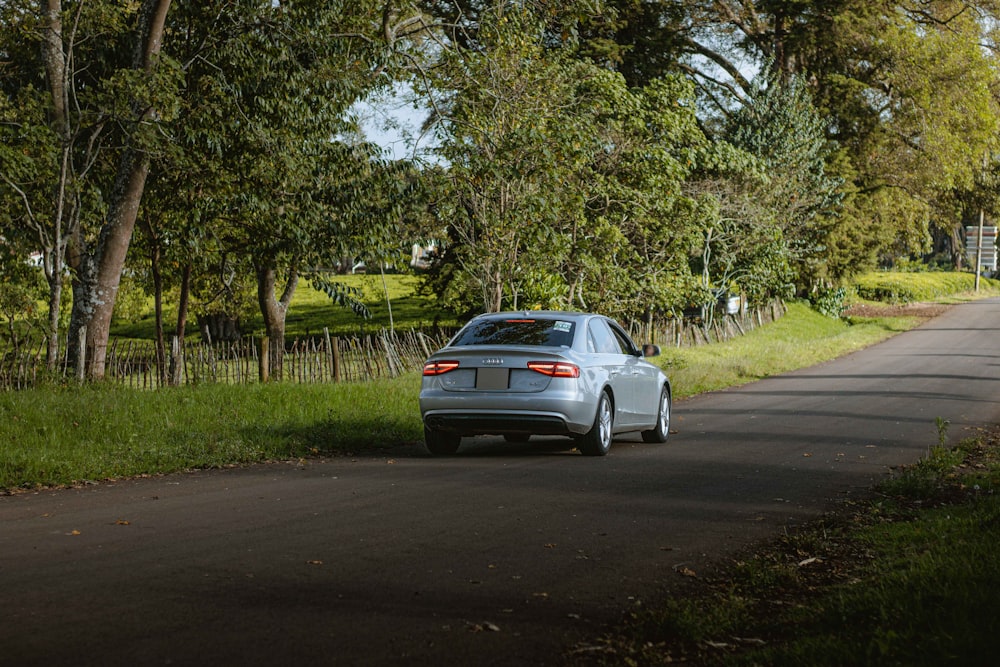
99, 263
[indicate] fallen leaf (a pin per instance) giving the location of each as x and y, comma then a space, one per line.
122, 522
314, 562
687, 572
75, 532
550, 546
483, 627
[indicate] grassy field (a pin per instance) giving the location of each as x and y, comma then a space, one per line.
395, 302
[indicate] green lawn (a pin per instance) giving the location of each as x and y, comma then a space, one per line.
312, 310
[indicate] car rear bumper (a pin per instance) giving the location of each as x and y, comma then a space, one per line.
566, 411
483, 424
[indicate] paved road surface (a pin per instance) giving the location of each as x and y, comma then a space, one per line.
499, 556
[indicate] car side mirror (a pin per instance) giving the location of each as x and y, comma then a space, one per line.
650, 350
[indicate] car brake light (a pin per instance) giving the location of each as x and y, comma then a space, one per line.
439, 367
556, 369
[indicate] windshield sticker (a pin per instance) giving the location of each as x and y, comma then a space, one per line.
563, 326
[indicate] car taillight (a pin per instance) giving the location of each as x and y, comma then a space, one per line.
556, 369
439, 367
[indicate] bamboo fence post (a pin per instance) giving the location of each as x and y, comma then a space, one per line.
263, 368
81, 355
335, 358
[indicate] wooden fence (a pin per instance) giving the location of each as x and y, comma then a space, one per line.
326, 358
677, 332
320, 359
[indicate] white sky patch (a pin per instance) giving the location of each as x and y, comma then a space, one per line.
393, 120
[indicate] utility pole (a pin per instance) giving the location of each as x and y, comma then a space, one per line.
979, 247
979, 235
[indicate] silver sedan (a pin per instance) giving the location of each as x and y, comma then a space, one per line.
543, 373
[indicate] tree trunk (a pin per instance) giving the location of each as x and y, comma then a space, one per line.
182, 305
52, 242
54, 277
177, 358
274, 310
154, 265
99, 273
96, 288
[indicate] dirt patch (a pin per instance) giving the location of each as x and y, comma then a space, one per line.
923, 310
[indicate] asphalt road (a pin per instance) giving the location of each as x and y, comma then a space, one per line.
499, 556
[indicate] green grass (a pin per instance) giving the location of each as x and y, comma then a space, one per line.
906, 287
801, 338
65, 436
906, 578
312, 310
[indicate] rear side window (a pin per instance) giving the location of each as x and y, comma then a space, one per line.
604, 340
518, 331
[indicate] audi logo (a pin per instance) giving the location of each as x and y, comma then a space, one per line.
493, 361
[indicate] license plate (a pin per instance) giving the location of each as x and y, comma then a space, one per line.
492, 379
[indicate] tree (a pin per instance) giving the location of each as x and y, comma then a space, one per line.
906, 89
779, 124
147, 84
511, 144
86, 91
650, 145
261, 81
563, 188
914, 102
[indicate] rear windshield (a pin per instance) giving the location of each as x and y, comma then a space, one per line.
518, 331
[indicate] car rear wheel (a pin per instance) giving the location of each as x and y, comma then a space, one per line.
662, 429
441, 443
597, 441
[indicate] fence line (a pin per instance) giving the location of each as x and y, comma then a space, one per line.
320, 359
678, 332
307, 360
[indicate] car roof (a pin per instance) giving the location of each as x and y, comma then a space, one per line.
540, 314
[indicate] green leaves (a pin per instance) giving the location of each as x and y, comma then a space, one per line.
343, 295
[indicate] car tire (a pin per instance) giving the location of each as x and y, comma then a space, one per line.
441, 443
661, 431
597, 441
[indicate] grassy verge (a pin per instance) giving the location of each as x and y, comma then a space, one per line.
907, 287
65, 436
801, 338
906, 578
